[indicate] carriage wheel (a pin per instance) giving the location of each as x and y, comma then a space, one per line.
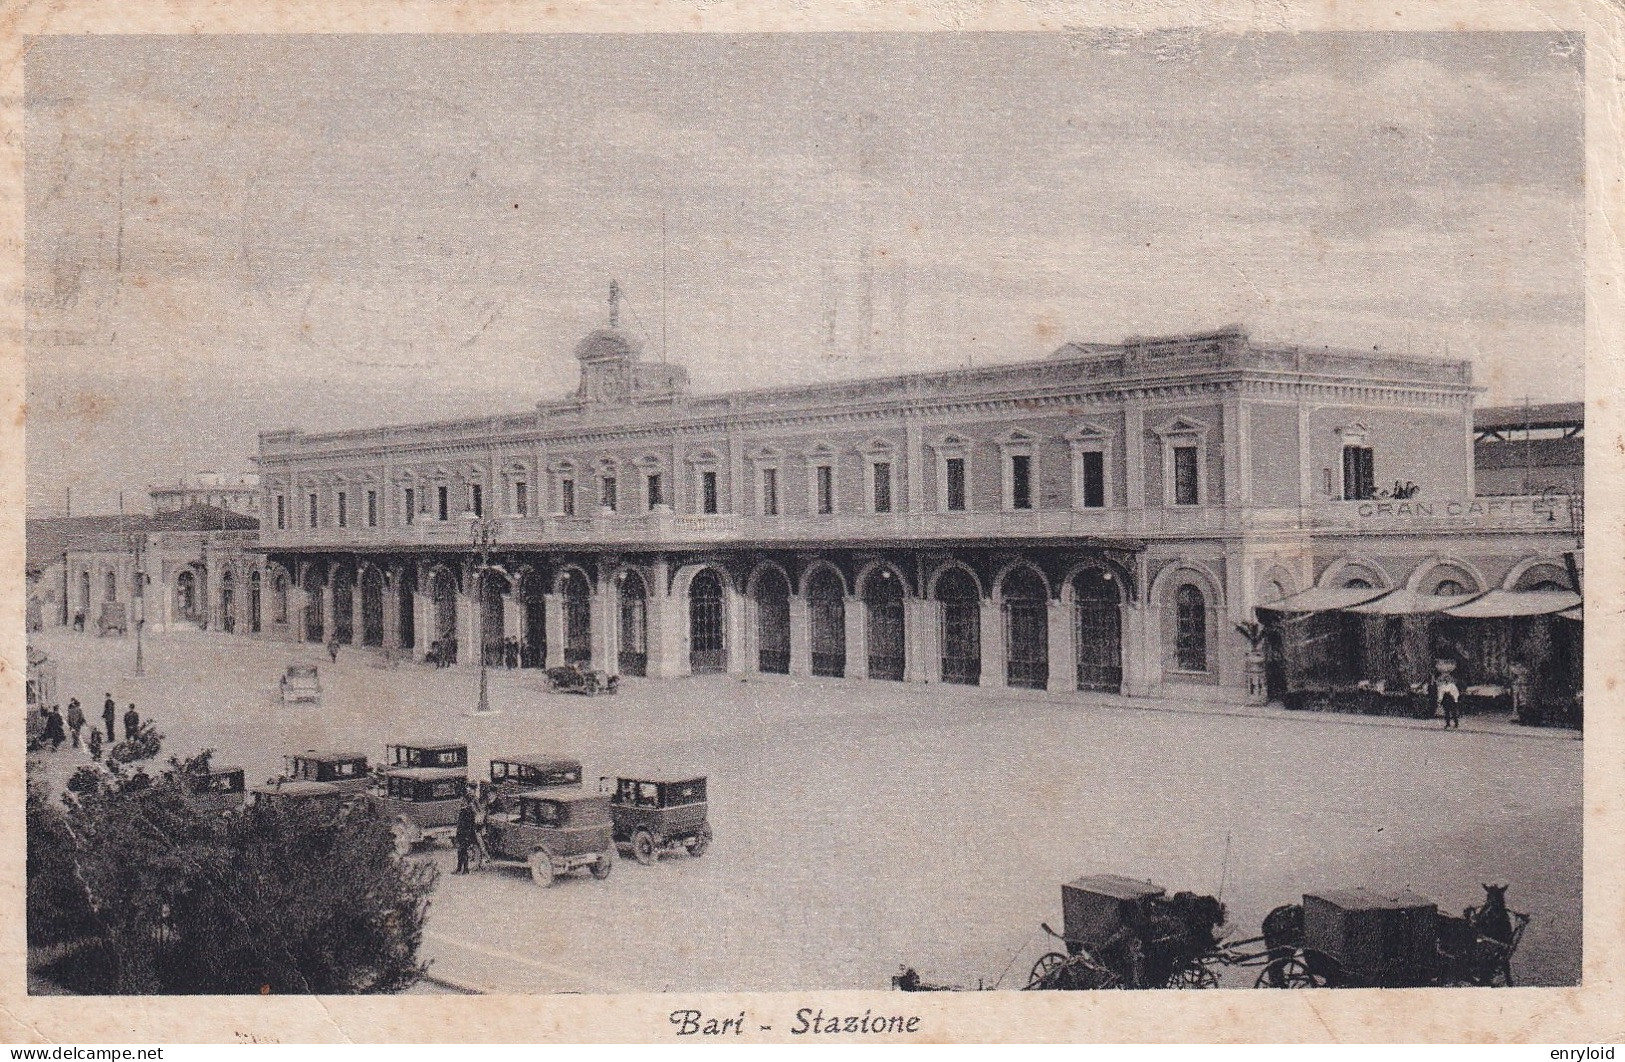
1196, 975
1044, 969
643, 847
1296, 973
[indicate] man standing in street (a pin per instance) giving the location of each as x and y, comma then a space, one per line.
467, 837
109, 714
132, 723
76, 720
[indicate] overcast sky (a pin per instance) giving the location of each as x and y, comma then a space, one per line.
234, 234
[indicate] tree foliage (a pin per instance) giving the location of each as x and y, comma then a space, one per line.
167, 894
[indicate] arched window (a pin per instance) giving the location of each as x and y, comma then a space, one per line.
1449, 588
1190, 629
279, 598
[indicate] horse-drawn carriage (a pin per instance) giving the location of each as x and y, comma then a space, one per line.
1121, 933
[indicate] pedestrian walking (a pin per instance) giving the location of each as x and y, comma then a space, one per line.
53, 729
76, 720
132, 723
1449, 701
109, 714
467, 835
333, 648
94, 743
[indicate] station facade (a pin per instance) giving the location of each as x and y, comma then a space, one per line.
1100, 520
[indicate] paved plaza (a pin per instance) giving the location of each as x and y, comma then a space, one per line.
863, 825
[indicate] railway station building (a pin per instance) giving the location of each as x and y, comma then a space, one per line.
1099, 520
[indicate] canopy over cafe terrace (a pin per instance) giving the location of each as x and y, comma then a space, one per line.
1374, 637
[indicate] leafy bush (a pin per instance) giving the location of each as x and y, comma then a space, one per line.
166, 896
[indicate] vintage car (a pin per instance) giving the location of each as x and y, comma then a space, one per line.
421, 803
552, 831
220, 789
300, 682
656, 813
574, 678
290, 793
534, 772
426, 754
345, 771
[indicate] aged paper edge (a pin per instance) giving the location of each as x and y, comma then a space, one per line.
1592, 1012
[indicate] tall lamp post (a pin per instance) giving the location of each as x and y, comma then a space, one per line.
482, 535
137, 543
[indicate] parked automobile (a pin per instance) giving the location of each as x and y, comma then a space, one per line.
345, 771
421, 804
574, 678
300, 683
287, 793
513, 774
534, 772
427, 754
220, 789
552, 831
656, 813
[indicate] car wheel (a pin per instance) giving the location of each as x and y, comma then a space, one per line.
541, 869
603, 866
403, 840
643, 847
699, 844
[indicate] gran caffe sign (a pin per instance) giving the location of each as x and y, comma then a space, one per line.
1545, 509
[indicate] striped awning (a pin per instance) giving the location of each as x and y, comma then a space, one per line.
1498, 604
1324, 599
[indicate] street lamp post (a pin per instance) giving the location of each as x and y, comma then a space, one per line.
482, 535
138, 543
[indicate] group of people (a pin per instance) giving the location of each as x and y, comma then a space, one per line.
508, 654
57, 728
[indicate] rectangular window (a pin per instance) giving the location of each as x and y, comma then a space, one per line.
281, 513
443, 503
313, 512
372, 508
411, 506
607, 497
708, 492
344, 509
1359, 474
521, 498
567, 497
1021, 481
956, 484
1185, 476
882, 486
770, 492
476, 499
1094, 479
655, 496
826, 490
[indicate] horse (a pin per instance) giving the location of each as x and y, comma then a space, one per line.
1493, 921
1183, 927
